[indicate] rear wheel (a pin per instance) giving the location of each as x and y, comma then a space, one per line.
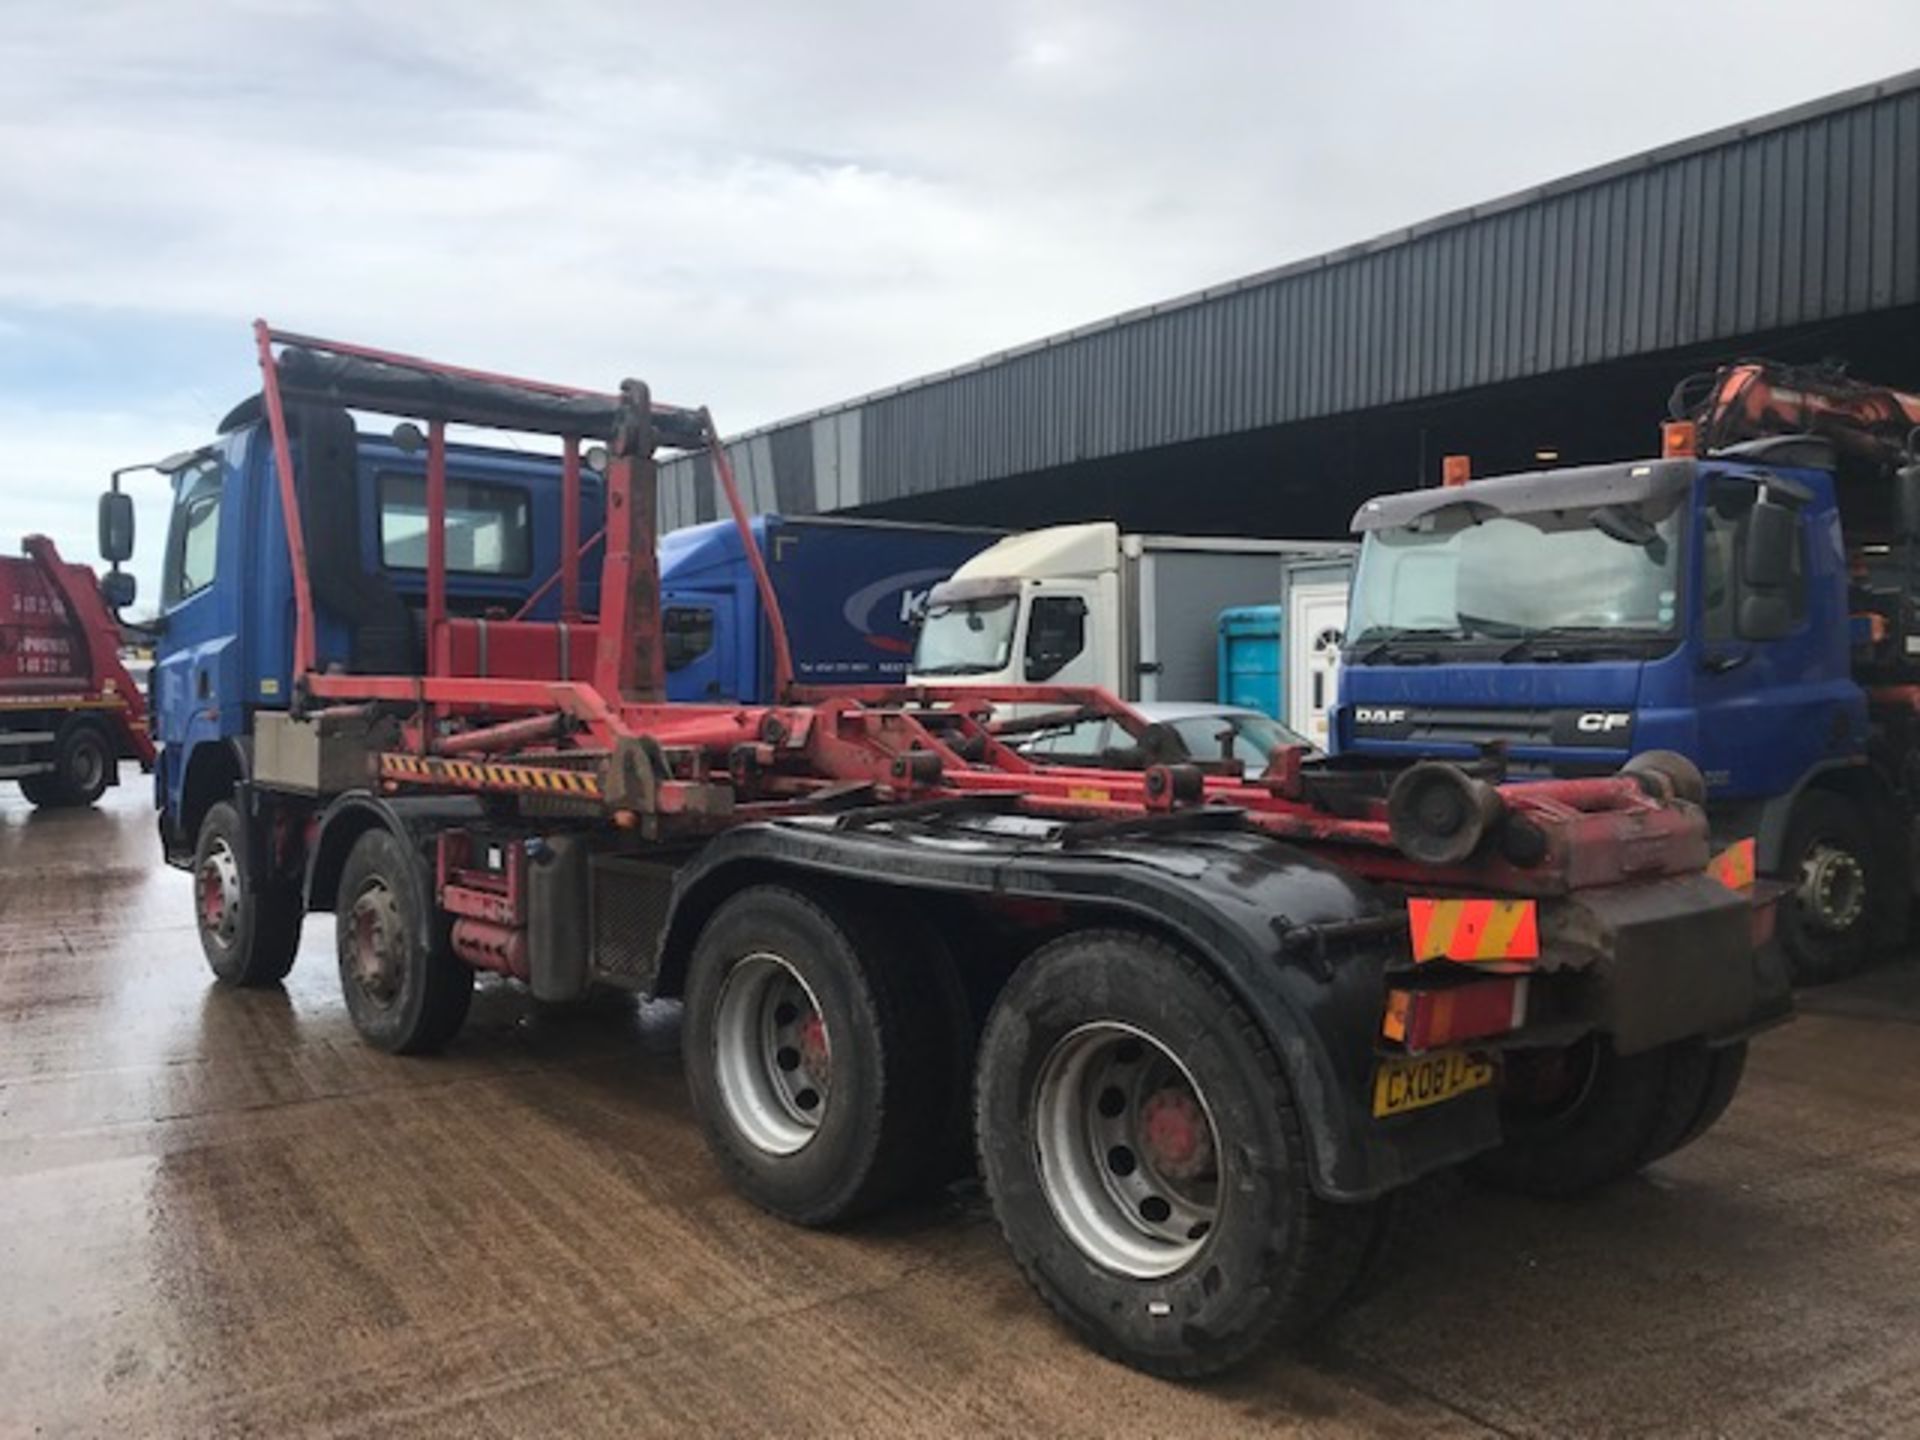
1826, 919
83, 763
818, 1060
407, 992
249, 925
1581, 1117
39, 790
1145, 1161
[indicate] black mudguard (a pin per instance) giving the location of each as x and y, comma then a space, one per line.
1303, 943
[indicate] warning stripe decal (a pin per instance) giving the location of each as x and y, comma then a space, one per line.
488, 775
1733, 867
1474, 931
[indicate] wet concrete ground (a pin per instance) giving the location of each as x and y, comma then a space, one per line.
220, 1214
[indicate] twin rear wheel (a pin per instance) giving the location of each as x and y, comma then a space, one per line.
1583, 1116
1136, 1134
824, 1055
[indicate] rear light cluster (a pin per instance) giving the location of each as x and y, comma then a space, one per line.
1472, 959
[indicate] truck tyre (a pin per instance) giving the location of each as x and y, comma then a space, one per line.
815, 1056
83, 762
249, 926
1826, 919
1726, 1065
38, 790
1146, 1162
1581, 1117
407, 992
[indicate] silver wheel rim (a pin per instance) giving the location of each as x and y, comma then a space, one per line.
217, 886
1128, 1150
376, 944
89, 766
772, 1056
1833, 888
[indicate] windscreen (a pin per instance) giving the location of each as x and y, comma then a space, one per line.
966, 637
1464, 571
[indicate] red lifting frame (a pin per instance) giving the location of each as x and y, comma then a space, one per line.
1598, 831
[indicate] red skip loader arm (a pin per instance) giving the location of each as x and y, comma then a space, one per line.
530, 726
80, 593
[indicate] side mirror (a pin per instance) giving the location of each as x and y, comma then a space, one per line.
1772, 539
117, 588
116, 527
1906, 501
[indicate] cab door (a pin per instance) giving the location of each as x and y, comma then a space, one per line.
196, 672
1772, 687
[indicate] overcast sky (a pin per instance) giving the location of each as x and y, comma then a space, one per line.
762, 207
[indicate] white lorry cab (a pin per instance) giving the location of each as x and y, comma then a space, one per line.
1087, 604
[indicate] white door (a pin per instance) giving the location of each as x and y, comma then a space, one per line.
1316, 625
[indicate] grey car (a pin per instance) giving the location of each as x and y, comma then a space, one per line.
1202, 729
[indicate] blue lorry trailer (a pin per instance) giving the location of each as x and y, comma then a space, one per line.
851, 592
1707, 603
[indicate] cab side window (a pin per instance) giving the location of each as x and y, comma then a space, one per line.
194, 535
1722, 541
686, 634
1056, 634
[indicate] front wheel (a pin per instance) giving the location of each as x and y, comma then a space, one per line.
249, 924
1826, 919
1146, 1163
407, 992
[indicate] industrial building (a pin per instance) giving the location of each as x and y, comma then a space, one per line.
1548, 325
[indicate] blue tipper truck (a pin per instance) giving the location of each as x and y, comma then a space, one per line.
1746, 600
850, 590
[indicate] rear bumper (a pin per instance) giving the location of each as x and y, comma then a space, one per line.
1657, 961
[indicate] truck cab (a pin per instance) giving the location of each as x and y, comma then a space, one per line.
1574, 618
1090, 604
226, 588
1037, 607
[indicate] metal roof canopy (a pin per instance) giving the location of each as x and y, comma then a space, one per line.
1806, 215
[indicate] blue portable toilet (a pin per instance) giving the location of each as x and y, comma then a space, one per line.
1249, 666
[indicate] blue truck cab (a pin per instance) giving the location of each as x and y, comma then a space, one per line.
850, 591
226, 601
1574, 618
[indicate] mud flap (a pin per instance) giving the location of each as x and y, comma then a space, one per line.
1670, 960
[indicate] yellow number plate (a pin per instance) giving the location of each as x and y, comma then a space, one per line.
1403, 1085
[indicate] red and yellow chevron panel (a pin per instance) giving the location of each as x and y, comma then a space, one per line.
1475, 932
407, 769
1733, 867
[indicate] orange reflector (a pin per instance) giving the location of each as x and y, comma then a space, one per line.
1679, 440
1424, 1020
1733, 867
1394, 1024
1475, 932
1456, 470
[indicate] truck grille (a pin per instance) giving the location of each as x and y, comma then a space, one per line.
1477, 727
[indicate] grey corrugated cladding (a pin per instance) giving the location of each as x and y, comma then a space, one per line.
1808, 215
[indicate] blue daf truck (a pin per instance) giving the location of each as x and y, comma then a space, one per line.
848, 589
1709, 602
226, 647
